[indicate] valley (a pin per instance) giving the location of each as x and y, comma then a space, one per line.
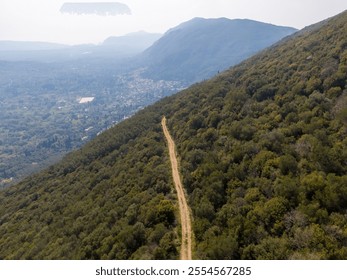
41, 84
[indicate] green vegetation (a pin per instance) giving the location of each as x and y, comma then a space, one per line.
263, 151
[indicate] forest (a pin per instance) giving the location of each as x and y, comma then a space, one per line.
263, 159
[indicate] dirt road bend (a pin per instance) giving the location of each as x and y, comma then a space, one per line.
186, 246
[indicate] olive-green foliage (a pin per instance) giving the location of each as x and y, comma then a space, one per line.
262, 150
110, 200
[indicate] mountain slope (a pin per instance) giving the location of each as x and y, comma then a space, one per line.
199, 48
262, 151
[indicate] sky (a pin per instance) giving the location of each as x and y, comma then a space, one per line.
40, 20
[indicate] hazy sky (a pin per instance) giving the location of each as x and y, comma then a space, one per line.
40, 20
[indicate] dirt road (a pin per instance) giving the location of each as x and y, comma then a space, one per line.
186, 246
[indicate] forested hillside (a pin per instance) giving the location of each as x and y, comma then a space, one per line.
263, 157
264, 152
112, 200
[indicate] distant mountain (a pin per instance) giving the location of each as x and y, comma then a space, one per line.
132, 43
199, 48
113, 47
29, 46
190, 52
262, 149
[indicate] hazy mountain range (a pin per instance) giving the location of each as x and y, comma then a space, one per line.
114, 47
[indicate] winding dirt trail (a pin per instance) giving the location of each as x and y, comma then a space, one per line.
186, 246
